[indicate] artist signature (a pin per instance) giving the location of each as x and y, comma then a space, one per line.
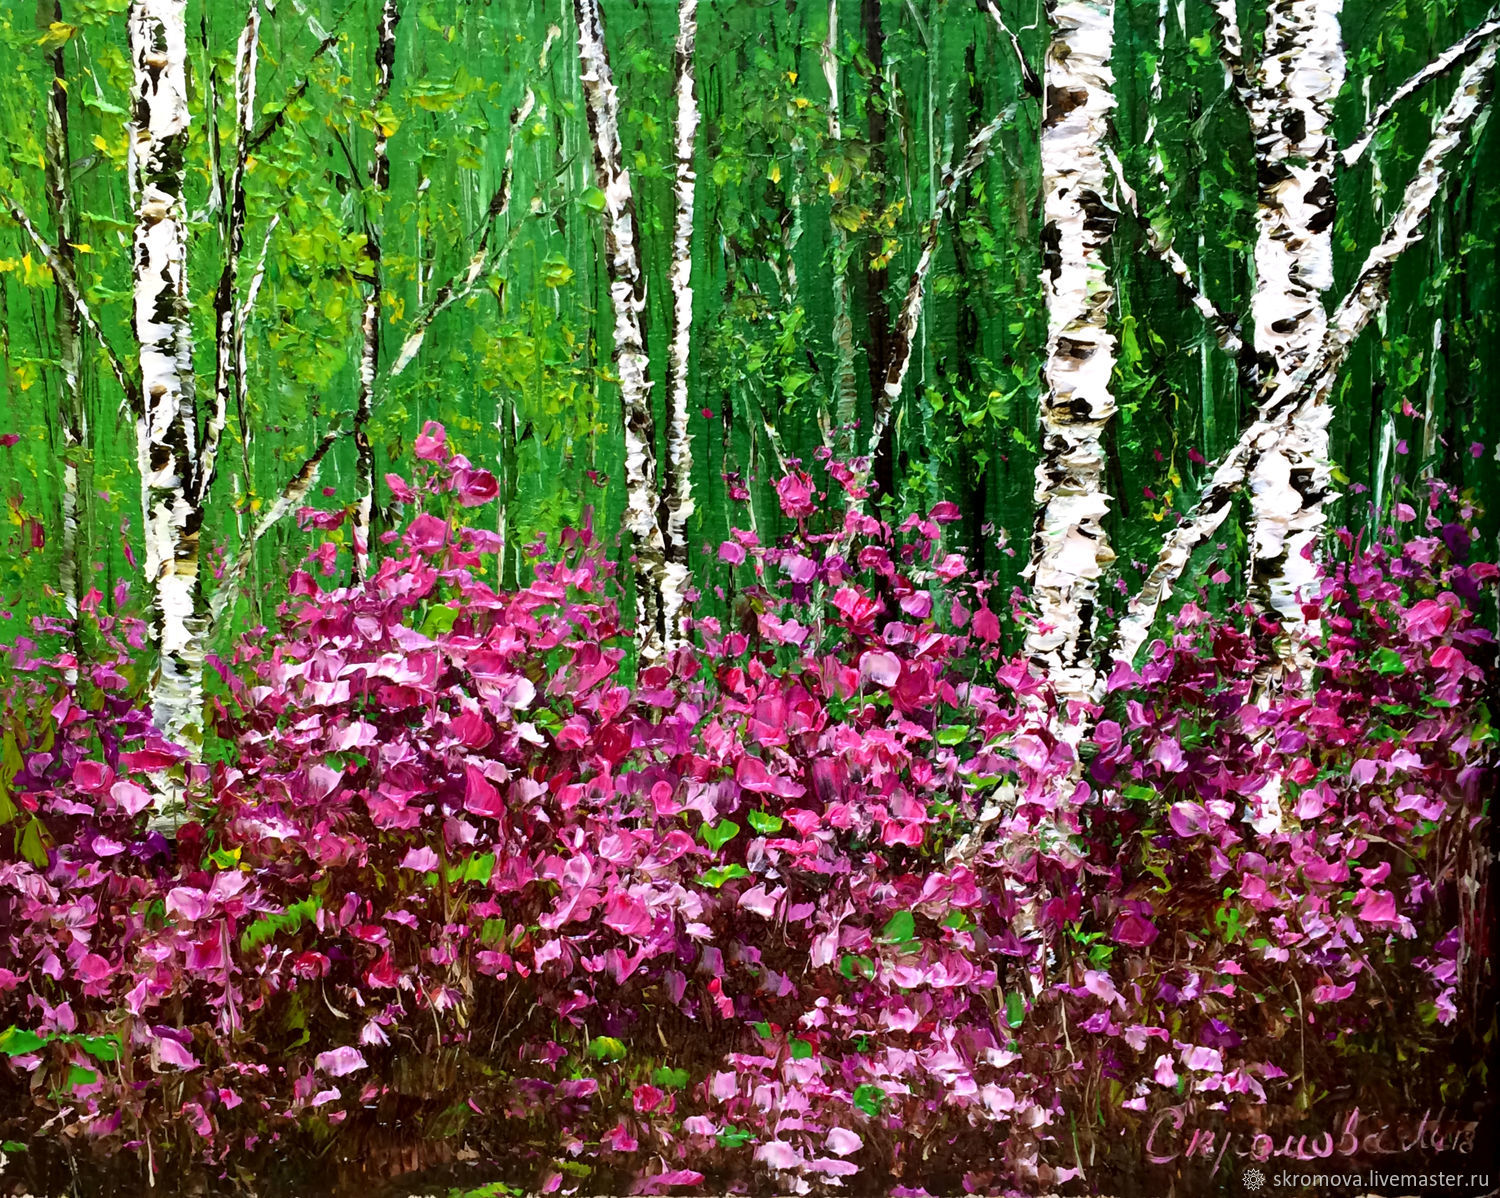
1171, 1139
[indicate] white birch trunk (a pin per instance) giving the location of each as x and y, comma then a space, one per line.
1071, 550
167, 426
627, 289
369, 324
679, 435
1291, 112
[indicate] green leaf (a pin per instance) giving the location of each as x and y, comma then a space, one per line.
101, 1048
14, 1041
720, 874
901, 928
79, 1076
801, 1050
265, 929
765, 824
32, 842
592, 198
606, 1048
439, 620
669, 1079
1015, 1009
733, 1137
849, 965
719, 834
762, 1029
1387, 661
869, 1099
953, 734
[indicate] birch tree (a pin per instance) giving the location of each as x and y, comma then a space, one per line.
1313, 382
627, 291
679, 499
167, 423
1071, 547
1291, 110
369, 358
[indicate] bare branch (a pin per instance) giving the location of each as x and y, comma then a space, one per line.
65, 280
1225, 328
1448, 58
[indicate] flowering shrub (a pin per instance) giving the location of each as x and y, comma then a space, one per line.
823, 899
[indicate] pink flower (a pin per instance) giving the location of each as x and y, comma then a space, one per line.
340, 1061
476, 487
423, 860
427, 534
134, 799
431, 443
843, 1142
795, 492
883, 669
479, 796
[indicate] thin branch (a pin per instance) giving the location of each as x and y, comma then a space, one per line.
295, 491
1029, 78
65, 280
1225, 327
453, 290
954, 177
229, 335
1448, 58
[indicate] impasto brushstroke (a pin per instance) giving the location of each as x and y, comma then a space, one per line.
709, 597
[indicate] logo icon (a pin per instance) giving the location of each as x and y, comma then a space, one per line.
1253, 1179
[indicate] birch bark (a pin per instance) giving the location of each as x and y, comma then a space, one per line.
1070, 548
167, 425
369, 358
627, 289
679, 463
1291, 110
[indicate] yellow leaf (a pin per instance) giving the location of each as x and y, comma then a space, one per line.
100, 144
57, 33
791, 76
775, 172
82, 247
8, 264
801, 101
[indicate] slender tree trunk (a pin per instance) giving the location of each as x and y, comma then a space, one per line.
229, 341
627, 289
679, 461
876, 278
1291, 112
167, 428
846, 391
1071, 550
369, 358
72, 419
